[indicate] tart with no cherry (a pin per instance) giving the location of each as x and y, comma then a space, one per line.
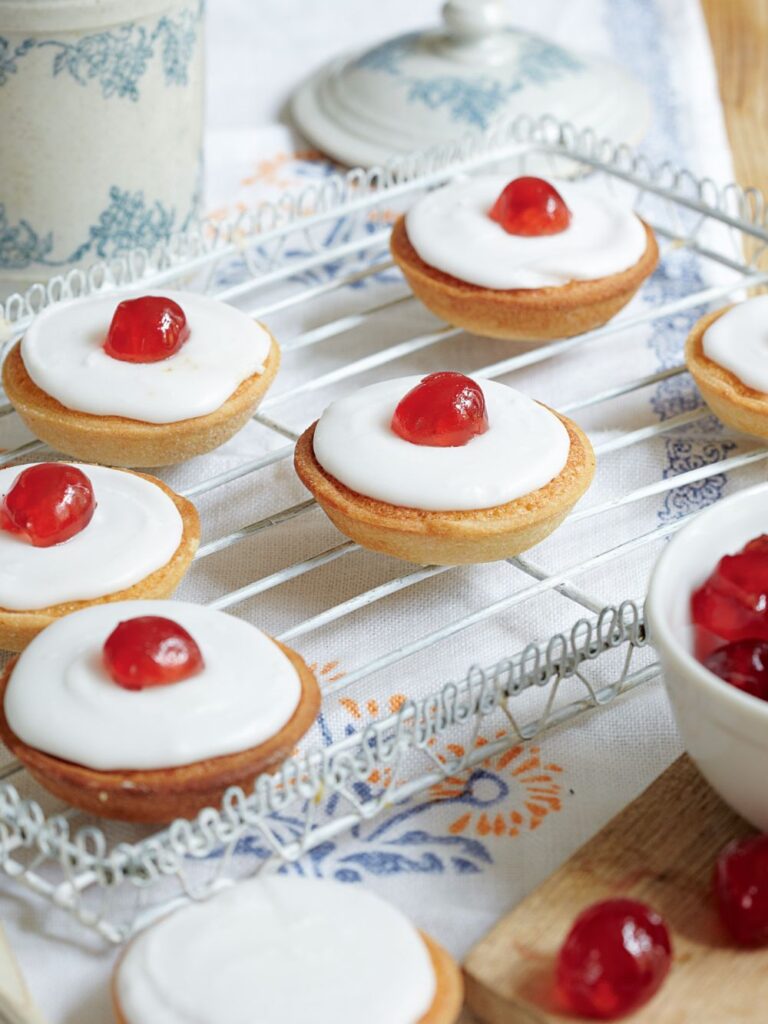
727, 355
208, 964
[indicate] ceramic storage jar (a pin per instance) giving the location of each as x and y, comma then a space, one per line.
101, 106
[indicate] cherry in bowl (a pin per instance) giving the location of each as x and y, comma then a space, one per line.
724, 729
729, 611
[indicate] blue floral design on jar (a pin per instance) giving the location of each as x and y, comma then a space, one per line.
107, 90
20, 244
10, 56
127, 222
117, 59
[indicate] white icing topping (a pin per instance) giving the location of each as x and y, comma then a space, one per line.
738, 341
450, 229
279, 950
63, 354
246, 693
135, 530
524, 448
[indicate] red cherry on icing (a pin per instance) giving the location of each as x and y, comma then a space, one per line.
743, 664
741, 890
531, 206
48, 503
444, 410
146, 330
150, 651
614, 959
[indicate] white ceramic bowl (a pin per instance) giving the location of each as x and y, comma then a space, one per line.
724, 730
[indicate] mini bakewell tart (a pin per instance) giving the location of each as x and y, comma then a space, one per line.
146, 381
153, 708
727, 355
522, 260
286, 950
76, 535
444, 470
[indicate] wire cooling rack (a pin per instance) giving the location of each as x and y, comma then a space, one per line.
273, 261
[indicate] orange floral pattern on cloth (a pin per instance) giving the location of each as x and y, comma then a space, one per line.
453, 827
328, 672
286, 173
289, 172
539, 795
279, 170
533, 780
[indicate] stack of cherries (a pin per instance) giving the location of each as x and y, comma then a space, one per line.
730, 617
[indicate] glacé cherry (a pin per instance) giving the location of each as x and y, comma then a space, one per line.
48, 503
531, 206
730, 616
444, 410
732, 603
146, 330
741, 890
150, 650
615, 957
743, 665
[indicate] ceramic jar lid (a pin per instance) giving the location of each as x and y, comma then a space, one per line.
423, 88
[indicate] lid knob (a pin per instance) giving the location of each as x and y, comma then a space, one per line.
477, 32
468, 20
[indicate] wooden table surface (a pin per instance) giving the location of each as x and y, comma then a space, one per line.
739, 33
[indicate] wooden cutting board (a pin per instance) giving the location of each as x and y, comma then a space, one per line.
661, 850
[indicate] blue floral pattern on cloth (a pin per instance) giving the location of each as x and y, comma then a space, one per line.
679, 276
472, 101
636, 28
119, 58
394, 847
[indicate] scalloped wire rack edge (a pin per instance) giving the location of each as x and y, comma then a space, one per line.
31, 844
